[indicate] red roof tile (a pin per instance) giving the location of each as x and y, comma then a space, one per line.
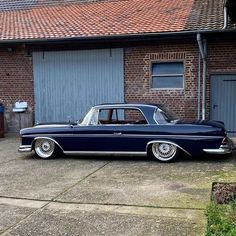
100, 18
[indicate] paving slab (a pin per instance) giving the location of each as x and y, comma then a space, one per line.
43, 179
10, 215
185, 184
72, 219
13, 211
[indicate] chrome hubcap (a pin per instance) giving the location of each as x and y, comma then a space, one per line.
44, 148
164, 148
164, 151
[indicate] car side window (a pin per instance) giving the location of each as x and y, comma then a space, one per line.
121, 116
103, 114
134, 116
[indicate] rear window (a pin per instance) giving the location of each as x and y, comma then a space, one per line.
164, 115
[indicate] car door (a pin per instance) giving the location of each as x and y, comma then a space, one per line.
112, 131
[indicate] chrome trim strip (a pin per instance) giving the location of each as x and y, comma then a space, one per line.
25, 148
105, 153
48, 139
165, 141
124, 135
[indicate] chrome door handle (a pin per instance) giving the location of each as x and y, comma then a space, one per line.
117, 133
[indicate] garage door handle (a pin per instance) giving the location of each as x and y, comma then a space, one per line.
117, 133
215, 106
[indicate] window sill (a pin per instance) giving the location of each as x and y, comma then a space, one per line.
162, 89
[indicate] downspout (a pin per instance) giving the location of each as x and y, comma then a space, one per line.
225, 17
202, 44
199, 88
204, 75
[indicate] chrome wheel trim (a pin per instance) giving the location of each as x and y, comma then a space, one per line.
164, 151
44, 148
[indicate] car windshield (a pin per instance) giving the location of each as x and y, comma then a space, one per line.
90, 118
164, 115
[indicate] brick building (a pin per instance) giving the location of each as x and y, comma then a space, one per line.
64, 56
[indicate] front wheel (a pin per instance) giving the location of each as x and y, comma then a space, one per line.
164, 152
45, 148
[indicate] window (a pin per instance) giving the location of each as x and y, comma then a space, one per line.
168, 75
120, 116
163, 115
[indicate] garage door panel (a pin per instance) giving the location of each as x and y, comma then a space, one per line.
68, 83
223, 97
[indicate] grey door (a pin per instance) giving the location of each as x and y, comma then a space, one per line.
68, 83
223, 101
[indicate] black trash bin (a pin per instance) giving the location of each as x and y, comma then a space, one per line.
2, 109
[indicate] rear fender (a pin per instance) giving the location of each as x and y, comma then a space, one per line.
166, 141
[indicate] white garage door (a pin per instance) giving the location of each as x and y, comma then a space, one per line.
68, 83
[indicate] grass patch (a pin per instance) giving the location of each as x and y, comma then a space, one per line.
221, 219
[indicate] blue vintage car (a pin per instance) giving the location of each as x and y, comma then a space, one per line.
121, 129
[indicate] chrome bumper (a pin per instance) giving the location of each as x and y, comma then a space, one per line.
25, 148
224, 149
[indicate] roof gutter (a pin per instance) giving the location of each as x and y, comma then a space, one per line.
105, 37
144, 36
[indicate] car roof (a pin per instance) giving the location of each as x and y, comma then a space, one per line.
126, 105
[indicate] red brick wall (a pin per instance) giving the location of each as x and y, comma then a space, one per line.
16, 77
16, 73
138, 76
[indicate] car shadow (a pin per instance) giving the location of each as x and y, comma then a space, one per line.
182, 158
106, 158
208, 158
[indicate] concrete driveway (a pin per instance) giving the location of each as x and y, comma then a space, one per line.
105, 196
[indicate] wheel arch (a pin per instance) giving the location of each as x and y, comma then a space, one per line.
165, 141
48, 138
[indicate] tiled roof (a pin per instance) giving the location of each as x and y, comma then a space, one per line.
39, 19
206, 14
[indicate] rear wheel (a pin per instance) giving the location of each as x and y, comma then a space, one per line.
164, 152
45, 148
